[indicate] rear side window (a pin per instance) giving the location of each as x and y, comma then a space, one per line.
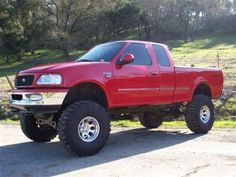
140, 52
161, 56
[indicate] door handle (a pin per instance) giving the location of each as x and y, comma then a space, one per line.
154, 73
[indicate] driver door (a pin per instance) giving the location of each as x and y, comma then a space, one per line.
136, 83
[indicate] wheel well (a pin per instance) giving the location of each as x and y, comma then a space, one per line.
86, 91
202, 89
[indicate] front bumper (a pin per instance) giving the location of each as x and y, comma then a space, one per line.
37, 101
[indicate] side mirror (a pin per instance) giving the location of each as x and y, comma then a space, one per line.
128, 58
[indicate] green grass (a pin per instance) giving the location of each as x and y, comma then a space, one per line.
180, 124
125, 123
9, 122
129, 123
225, 124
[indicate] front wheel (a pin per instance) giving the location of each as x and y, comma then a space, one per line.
84, 128
200, 114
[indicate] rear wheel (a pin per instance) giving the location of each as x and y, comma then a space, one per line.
151, 120
200, 114
84, 128
35, 132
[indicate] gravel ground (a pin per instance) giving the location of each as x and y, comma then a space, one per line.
129, 152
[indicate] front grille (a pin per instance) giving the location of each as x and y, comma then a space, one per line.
24, 80
16, 97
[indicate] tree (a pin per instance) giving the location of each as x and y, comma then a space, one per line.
234, 6
122, 18
27, 25
70, 19
144, 25
22, 22
187, 11
11, 30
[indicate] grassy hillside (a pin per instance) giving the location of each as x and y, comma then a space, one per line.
203, 53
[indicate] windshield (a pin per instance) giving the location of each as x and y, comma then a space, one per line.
102, 52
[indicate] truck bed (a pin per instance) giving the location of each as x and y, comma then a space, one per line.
189, 77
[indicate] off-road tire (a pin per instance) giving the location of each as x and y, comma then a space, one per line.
69, 132
193, 119
34, 132
151, 120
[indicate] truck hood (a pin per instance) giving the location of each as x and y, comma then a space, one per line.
72, 72
58, 67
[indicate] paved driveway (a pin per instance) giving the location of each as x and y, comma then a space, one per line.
129, 152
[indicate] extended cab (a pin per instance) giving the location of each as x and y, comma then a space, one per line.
77, 99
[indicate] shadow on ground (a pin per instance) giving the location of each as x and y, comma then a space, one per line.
39, 159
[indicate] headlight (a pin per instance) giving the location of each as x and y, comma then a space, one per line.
49, 79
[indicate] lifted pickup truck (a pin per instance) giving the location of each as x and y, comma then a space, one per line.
77, 99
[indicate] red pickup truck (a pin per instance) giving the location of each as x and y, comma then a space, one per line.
77, 99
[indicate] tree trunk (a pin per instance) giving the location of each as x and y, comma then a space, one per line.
193, 33
32, 52
140, 32
7, 58
185, 32
18, 57
66, 54
195, 21
148, 32
140, 35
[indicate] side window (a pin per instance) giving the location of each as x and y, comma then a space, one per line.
161, 56
140, 52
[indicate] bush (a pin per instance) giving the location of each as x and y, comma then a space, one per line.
226, 107
230, 106
6, 111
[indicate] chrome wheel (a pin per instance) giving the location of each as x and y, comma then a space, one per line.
88, 129
205, 114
